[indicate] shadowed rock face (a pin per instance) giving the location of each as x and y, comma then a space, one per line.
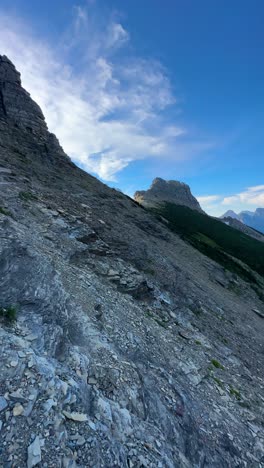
16, 102
130, 348
167, 191
21, 112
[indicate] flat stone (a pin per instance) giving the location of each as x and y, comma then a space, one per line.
92, 381
74, 416
53, 212
31, 337
80, 441
34, 453
185, 335
18, 410
30, 363
113, 273
173, 315
13, 363
49, 404
92, 425
16, 396
3, 404
260, 314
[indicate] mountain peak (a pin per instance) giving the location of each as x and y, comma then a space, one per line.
21, 119
172, 191
253, 219
15, 101
8, 71
230, 214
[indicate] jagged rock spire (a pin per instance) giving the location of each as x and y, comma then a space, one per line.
22, 121
16, 103
8, 72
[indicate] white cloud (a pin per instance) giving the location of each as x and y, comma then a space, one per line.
208, 199
106, 110
117, 35
256, 188
251, 196
249, 199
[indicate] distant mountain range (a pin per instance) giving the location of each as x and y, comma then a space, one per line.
254, 219
172, 191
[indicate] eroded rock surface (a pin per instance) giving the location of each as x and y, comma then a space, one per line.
130, 348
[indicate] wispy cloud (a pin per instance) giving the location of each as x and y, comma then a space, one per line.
250, 198
208, 199
106, 107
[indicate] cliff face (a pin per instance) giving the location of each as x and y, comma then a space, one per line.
170, 191
129, 348
16, 103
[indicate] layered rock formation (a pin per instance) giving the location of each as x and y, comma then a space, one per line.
129, 348
16, 106
170, 191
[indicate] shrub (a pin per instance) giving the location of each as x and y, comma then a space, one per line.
235, 393
218, 381
4, 211
8, 313
27, 196
217, 364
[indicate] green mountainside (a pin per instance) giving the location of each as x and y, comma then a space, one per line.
222, 243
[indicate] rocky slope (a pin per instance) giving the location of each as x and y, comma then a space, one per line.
170, 191
253, 219
130, 348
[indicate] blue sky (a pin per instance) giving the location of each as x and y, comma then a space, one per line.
142, 88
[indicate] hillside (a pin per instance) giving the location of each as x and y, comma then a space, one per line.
235, 223
122, 345
216, 240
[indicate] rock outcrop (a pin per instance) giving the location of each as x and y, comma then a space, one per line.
170, 191
16, 103
121, 345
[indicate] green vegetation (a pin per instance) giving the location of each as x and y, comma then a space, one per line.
162, 323
198, 342
217, 364
4, 211
8, 313
219, 382
220, 242
235, 393
27, 196
149, 271
224, 340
